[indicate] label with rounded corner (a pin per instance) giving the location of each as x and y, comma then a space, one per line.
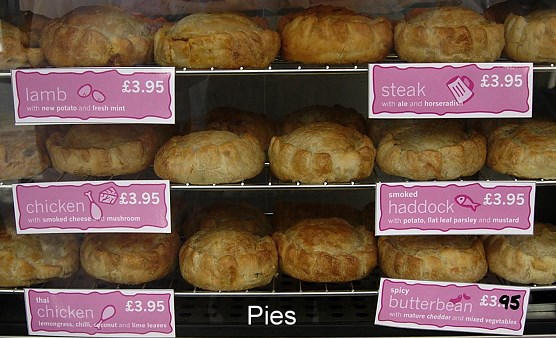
94, 95
100, 313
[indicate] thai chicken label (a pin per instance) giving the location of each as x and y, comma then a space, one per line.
100, 313
103, 206
97, 95
444, 306
450, 90
413, 208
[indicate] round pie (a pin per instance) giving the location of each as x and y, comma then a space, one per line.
321, 152
524, 259
209, 157
448, 34
91, 36
127, 258
431, 152
225, 259
32, 259
531, 37
334, 35
220, 40
103, 150
326, 250
526, 150
446, 258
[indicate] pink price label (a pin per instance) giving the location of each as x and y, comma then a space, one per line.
455, 208
457, 91
104, 206
98, 95
108, 313
452, 306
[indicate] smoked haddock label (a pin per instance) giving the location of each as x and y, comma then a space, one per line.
455, 208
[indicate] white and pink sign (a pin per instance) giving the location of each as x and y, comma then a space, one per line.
454, 208
445, 306
97, 95
103, 206
450, 90
100, 313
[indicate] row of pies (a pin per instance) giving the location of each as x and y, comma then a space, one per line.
234, 249
313, 145
110, 36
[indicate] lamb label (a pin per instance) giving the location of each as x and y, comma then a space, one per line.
103, 206
455, 208
447, 306
453, 91
97, 95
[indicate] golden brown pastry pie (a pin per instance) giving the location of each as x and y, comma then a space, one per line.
105, 150
15, 48
209, 157
220, 40
526, 150
334, 35
448, 34
224, 259
321, 152
524, 259
347, 117
326, 250
446, 258
91, 36
431, 152
532, 37
129, 258
32, 259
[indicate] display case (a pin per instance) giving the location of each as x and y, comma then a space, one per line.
287, 306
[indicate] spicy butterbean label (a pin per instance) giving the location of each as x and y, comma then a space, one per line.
108, 95
100, 313
447, 90
103, 206
455, 208
452, 306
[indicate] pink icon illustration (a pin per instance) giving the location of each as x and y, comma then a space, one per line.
108, 312
95, 210
108, 196
85, 90
459, 298
466, 202
98, 96
455, 300
461, 88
